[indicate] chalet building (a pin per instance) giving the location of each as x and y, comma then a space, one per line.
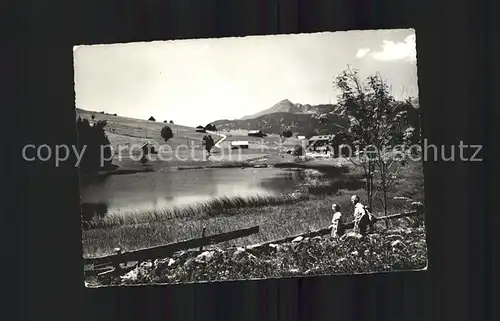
320, 142
200, 129
256, 133
152, 118
237, 144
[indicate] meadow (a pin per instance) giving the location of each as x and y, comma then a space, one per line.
278, 216
398, 244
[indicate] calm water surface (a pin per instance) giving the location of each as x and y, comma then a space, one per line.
157, 190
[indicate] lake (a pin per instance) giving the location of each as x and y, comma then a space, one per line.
166, 189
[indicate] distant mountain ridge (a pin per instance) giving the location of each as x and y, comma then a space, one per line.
285, 115
286, 106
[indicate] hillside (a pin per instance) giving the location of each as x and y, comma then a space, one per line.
301, 119
276, 123
285, 115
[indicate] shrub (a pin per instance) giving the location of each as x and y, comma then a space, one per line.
208, 142
211, 127
298, 150
94, 140
166, 133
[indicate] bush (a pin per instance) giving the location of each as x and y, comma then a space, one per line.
298, 150
208, 142
211, 127
93, 139
166, 133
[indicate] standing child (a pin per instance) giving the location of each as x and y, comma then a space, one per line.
337, 221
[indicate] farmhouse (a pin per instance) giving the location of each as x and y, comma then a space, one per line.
239, 144
320, 142
152, 118
255, 133
200, 129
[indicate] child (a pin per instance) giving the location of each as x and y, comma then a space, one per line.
337, 222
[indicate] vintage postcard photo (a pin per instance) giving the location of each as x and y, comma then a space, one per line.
245, 158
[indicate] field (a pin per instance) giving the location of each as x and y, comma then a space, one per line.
278, 217
124, 132
309, 208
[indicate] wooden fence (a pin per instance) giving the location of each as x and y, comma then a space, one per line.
106, 264
327, 230
103, 263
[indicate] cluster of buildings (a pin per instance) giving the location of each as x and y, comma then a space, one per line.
315, 144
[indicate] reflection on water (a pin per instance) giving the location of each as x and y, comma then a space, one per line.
156, 190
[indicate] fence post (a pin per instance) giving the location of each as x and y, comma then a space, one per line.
202, 236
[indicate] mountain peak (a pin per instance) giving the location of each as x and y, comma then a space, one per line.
283, 106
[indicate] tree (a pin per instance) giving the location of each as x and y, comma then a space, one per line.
171, 122
211, 127
166, 133
209, 143
376, 120
287, 134
93, 116
165, 121
298, 150
94, 144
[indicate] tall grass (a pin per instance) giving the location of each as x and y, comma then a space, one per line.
209, 208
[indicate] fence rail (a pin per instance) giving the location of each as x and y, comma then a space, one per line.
102, 265
163, 251
327, 230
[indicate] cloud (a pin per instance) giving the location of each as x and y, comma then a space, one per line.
405, 50
362, 52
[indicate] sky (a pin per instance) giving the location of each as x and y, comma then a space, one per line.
198, 81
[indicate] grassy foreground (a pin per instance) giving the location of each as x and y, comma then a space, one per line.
399, 249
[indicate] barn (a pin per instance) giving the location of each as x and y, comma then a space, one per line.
239, 144
320, 142
256, 133
200, 129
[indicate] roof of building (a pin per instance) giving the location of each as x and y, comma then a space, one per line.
239, 142
255, 131
200, 126
322, 137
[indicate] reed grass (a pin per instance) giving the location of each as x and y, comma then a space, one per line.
199, 210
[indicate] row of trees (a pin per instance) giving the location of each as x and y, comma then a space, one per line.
376, 121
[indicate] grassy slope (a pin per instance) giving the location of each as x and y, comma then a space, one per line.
122, 131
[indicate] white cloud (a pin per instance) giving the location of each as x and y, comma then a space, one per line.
362, 52
405, 50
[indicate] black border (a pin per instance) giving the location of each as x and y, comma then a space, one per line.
48, 284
